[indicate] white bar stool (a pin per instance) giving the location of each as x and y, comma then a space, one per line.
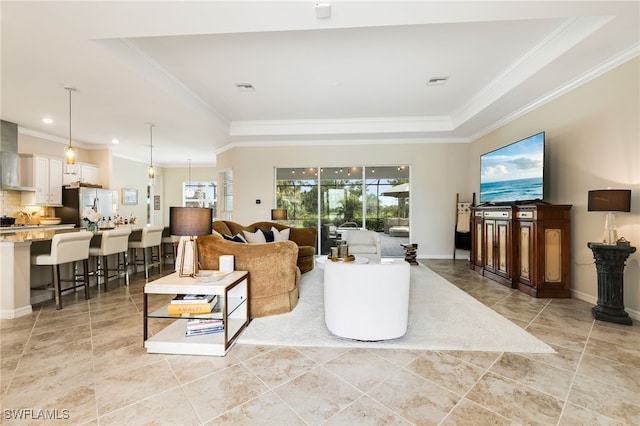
173, 241
151, 237
116, 242
68, 247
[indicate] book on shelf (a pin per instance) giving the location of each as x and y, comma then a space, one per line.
198, 324
193, 298
204, 331
191, 308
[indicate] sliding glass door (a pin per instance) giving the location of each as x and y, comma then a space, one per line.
333, 199
297, 192
340, 203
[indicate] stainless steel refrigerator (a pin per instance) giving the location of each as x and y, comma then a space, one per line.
75, 200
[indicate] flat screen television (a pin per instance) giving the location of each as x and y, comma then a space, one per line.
513, 174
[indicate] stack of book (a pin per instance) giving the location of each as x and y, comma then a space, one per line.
200, 326
192, 304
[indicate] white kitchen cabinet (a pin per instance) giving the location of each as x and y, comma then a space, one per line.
45, 175
87, 173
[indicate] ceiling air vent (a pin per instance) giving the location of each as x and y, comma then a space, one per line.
245, 87
437, 81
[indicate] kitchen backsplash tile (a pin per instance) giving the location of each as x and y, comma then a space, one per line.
11, 204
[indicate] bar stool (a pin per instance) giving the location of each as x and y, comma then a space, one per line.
68, 247
112, 242
150, 238
168, 239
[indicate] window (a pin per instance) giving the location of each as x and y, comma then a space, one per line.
328, 198
227, 194
200, 194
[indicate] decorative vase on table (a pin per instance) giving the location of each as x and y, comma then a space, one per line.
91, 216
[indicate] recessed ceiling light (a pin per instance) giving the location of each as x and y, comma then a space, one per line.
47, 120
437, 81
245, 87
115, 141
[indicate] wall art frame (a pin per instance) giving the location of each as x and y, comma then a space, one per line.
129, 196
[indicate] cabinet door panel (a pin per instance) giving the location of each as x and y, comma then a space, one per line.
527, 252
503, 248
55, 181
553, 255
489, 242
41, 179
479, 252
89, 174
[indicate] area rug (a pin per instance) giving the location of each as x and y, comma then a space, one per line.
441, 317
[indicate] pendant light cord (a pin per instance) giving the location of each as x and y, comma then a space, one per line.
151, 139
69, 89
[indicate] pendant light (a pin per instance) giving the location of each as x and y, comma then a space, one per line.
151, 172
69, 152
189, 192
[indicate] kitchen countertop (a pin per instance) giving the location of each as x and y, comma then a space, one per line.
44, 233
21, 228
41, 233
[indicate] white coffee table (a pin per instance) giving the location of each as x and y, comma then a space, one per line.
321, 260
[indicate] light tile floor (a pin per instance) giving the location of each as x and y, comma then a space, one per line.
85, 364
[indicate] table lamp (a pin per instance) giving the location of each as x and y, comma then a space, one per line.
191, 222
609, 200
278, 214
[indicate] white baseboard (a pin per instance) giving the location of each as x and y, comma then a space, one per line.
15, 313
594, 300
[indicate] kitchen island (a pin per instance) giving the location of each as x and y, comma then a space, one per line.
16, 245
15, 266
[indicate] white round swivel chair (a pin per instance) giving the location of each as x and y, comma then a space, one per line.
112, 242
151, 237
68, 247
367, 301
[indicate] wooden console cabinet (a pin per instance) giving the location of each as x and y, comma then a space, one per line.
524, 246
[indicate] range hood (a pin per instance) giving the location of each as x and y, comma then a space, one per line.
9, 160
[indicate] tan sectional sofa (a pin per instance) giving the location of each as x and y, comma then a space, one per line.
305, 238
273, 273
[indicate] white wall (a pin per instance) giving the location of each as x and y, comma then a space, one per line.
593, 142
174, 177
438, 171
132, 174
593, 136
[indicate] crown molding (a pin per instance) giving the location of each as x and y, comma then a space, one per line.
571, 32
340, 126
57, 139
614, 62
342, 142
128, 52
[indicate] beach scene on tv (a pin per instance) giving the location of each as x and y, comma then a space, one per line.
514, 172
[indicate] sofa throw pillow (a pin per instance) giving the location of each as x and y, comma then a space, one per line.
268, 235
254, 237
280, 235
236, 238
